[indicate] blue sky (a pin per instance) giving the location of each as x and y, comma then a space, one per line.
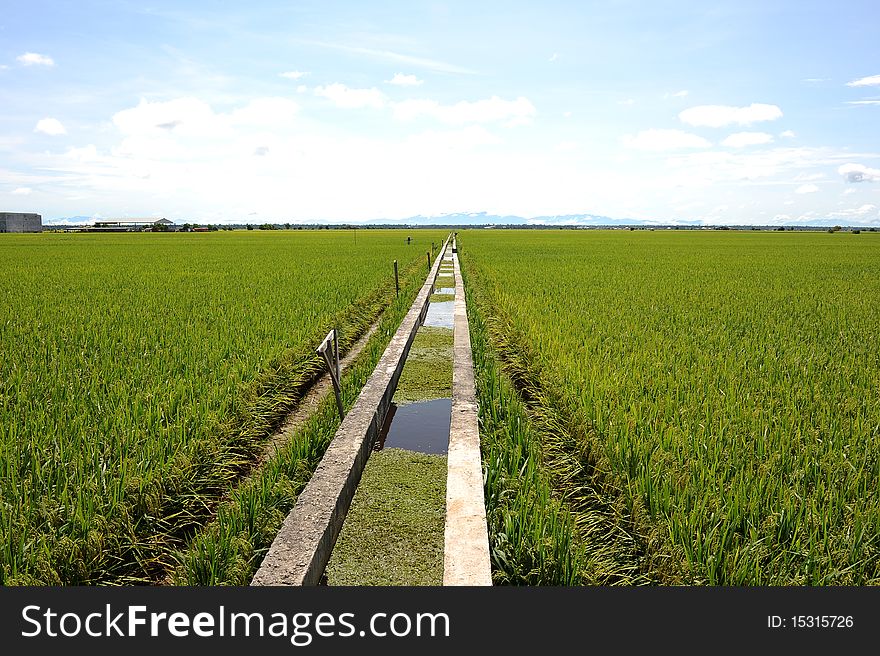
726, 113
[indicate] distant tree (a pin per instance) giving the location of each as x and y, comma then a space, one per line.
856, 231
837, 228
287, 226
250, 227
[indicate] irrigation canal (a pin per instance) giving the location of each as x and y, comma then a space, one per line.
398, 497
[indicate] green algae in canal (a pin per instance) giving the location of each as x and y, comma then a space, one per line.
441, 298
393, 534
394, 531
427, 373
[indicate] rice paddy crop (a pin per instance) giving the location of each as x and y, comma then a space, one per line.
139, 374
719, 390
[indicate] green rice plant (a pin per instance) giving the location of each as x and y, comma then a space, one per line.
545, 526
718, 389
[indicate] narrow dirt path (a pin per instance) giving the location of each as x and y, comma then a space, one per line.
309, 403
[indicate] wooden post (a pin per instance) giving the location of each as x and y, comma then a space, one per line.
396, 280
429, 261
332, 361
336, 354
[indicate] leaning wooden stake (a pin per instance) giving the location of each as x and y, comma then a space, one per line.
331, 343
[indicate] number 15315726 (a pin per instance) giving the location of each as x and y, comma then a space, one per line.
810, 622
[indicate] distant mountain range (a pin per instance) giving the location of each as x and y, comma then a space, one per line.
483, 218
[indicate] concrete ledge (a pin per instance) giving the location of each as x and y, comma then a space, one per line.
301, 549
466, 539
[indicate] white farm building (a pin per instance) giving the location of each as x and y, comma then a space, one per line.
130, 225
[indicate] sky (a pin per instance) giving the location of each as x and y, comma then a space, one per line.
724, 113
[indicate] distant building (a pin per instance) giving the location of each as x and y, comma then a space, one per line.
20, 222
130, 225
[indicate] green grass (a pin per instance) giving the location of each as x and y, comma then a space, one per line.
718, 390
442, 298
427, 373
141, 372
393, 534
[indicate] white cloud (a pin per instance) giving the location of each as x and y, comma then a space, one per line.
628, 101
870, 81
50, 126
35, 59
186, 128
849, 190
302, 88
554, 57
22, 191
859, 173
743, 139
664, 140
491, 110
566, 114
343, 96
402, 80
701, 169
265, 112
806, 189
863, 102
808, 177
466, 138
85, 154
677, 94
859, 214
716, 116
565, 146
293, 75
211, 179
787, 134
183, 115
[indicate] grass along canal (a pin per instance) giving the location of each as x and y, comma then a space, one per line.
394, 531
